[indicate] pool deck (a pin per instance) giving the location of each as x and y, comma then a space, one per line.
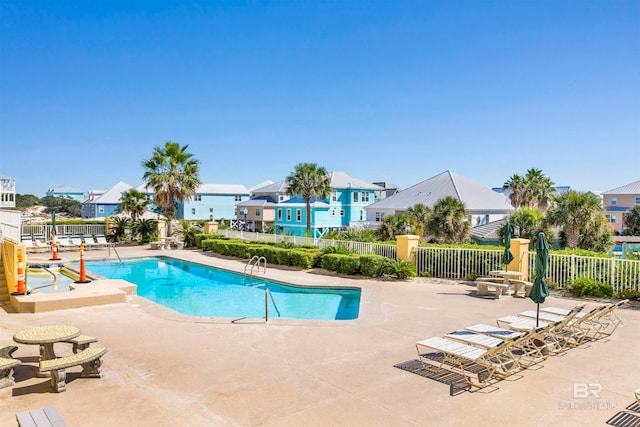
166, 369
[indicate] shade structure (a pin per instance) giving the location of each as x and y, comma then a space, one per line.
539, 290
507, 256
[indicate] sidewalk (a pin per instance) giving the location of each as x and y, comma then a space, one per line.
166, 369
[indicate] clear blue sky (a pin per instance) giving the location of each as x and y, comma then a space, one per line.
394, 91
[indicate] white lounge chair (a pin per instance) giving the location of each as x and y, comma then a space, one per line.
102, 241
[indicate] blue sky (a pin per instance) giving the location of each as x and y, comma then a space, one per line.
394, 91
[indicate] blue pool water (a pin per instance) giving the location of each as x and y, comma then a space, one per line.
198, 290
41, 281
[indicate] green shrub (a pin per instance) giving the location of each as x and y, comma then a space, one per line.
331, 261
588, 287
630, 294
371, 265
336, 250
350, 264
200, 237
399, 269
303, 259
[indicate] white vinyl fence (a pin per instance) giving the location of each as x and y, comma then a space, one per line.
10, 224
467, 263
44, 230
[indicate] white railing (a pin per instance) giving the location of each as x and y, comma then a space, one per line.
468, 263
10, 224
362, 248
44, 230
463, 263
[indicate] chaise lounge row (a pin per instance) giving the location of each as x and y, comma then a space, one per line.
484, 354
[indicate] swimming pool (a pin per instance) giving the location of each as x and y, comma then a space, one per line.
198, 290
39, 280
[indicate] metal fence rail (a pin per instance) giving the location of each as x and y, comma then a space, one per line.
457, 263
44, 230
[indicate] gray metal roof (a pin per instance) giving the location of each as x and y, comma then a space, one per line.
262, 184
112, 195
344, 180
474, 196
274, 187
488, 231
222, 189
633, 188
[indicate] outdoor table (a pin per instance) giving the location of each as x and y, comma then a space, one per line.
45, 336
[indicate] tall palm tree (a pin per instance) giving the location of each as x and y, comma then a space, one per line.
421, 213
530, 222
538, 189
395, 225
632, 221
134, 203
309, 181
517, 186
575, 212
172, 173
448, 222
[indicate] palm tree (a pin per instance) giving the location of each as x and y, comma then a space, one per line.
172, 173
448, 223
134, 203
517, 186
421, 213
395, 225
309, 180
188, 233
632, 221
530, 222
576, 213
538, 189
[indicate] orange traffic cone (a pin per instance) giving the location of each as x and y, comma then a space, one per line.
20, 288
54, 250
83, 273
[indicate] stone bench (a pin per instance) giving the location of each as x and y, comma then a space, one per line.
81, 342
521, 285
89, 359
483, 287
45, 417
7, 363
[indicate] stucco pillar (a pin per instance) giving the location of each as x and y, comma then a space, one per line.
162, 228
210, 227
520, 250
405, 247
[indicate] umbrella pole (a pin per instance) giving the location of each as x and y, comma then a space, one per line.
537, 315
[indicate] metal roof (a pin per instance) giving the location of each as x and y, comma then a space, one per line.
274, 187
222, 189
344, 180
111, 195
633, 188
474, 196
262, 184
299, 201
258, 201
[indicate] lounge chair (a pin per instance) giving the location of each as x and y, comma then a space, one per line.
479, 366
102, 241
606, 321
64, 243
76, 241
555, 337
90, 242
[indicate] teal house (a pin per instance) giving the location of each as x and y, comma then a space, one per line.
213, 201
345, 207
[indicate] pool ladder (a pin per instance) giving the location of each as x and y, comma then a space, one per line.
259, 263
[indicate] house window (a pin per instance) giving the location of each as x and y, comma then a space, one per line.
365, 197
298, 215
238, 198
355, 197
257, 212
334, 196
197, 197
379, 216
210, 209
614, 201
611, 218
280, 197
101, 209
193, 211
636, 201
333, 212
341, 212
279, 214
361, 214
288, 214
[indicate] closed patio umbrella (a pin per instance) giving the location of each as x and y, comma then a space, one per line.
507, 256
53, 225
539, 291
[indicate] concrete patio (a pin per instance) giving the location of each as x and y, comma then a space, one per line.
166, 369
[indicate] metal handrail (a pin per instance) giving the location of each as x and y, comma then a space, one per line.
255, 260
113, 245
267, 295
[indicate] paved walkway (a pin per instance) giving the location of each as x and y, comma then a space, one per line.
165, 369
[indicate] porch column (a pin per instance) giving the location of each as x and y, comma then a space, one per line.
520, 250
405, 247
